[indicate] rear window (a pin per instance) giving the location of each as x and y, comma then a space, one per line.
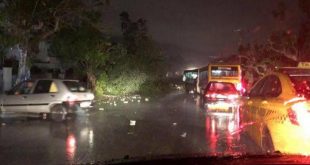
219, 87
190, 76
301, 85
74, 86
300, 78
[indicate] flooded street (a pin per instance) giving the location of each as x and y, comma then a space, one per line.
174, 124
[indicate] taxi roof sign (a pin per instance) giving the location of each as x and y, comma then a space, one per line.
303, 65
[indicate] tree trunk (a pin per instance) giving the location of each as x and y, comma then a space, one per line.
91, 78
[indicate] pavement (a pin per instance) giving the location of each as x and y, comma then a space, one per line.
174, 124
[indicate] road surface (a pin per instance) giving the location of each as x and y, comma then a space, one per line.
174, 124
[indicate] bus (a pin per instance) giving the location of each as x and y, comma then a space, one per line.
202, 80
190, 80
226, 73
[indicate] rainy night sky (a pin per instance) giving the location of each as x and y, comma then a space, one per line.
200, 30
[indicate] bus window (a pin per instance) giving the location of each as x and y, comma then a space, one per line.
224, 71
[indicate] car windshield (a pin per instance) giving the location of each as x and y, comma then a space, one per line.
89, 81
74, 86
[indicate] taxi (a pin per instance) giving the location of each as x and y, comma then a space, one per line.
276, 111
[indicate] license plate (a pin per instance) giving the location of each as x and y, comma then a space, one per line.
85, 104
219, 106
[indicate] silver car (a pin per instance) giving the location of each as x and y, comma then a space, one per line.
46, 97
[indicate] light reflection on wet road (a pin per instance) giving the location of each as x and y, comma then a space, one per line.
173, 125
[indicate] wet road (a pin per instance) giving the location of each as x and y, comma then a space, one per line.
173, 125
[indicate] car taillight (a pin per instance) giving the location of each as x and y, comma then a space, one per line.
210, 95
292, 116
239, 86
71, 141
299, 114
221, 96
232, 96
71, 99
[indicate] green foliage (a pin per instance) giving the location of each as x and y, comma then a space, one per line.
73, 29
101, 84
136, 66
155, 87
128, 82
85, 46
136, 73
32, 21
84, 49
38, 17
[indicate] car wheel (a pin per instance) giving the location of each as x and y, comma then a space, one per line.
58, 113
267, 144
71, 116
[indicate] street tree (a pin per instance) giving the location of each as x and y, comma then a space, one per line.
285, 46
32, 21
141, 66
83, 48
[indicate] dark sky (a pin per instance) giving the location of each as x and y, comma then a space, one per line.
200, 29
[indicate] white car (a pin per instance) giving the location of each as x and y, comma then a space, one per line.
48, 97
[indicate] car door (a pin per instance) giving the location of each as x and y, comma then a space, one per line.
264, 99
252, 106
16, 100
270, 100
44, 93
271, 105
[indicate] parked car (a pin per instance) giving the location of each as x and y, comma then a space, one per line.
48, 97
276, 113
220, 97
